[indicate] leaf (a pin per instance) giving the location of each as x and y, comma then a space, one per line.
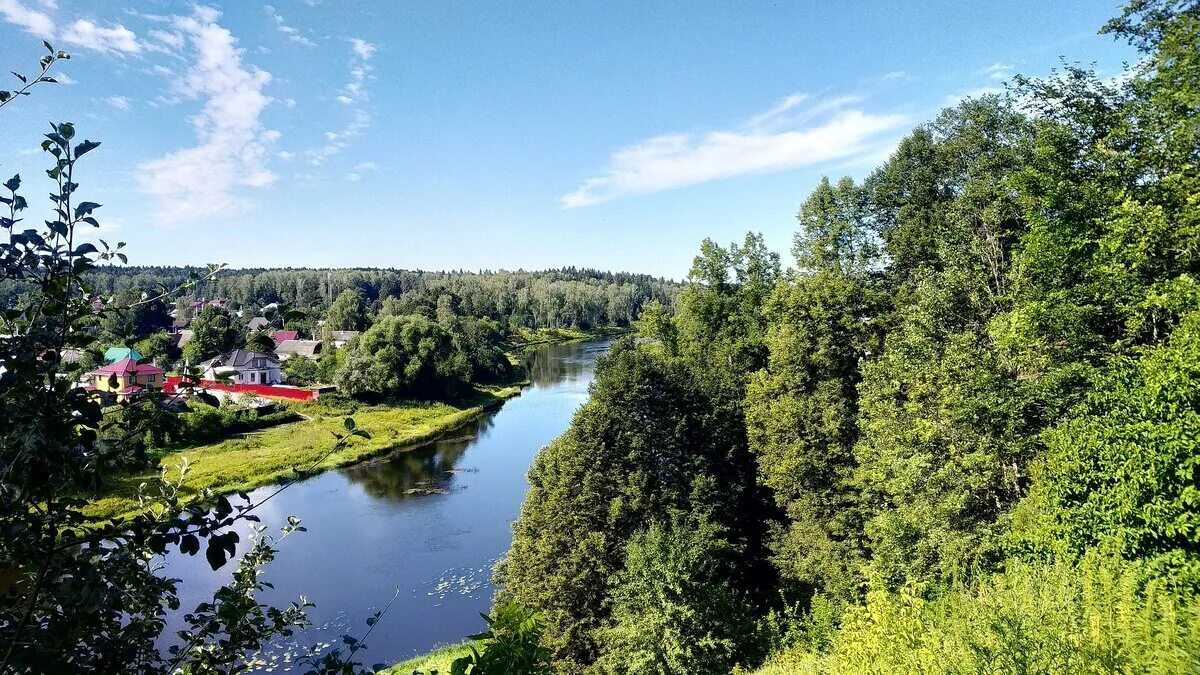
46, 44
85, 209
85, 147
348, 423
215, 554
14, 183
189, 545
19, 77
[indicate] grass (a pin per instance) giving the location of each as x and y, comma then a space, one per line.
251, 461
525, 337
436, 661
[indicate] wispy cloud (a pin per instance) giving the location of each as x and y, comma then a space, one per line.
115, 39
118, 102
997, 71
290, 32
354, 94
800, 130
359, 169
31, 20
354, 91
202, 181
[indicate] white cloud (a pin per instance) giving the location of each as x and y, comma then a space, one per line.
285, 155
354, 91
202, 181
118, 102
896, 76
31, 20
335, 141
169, 39
997, 71
113, 40
795, 132
362, 49
290, 32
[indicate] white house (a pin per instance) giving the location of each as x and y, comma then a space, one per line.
242, 366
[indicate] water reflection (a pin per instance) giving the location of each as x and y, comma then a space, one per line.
427, 470
552, 364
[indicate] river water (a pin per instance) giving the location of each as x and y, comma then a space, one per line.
428, 524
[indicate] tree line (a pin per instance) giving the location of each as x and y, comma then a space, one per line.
958, 435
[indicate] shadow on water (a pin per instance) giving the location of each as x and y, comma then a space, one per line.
426, 470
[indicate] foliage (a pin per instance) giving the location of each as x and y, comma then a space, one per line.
413, 356
1101, 616
974, 401
213, 333
80, 596
651, 442
511, 644
260, 341
348, 311
674, 611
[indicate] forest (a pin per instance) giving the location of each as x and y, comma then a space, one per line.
959, 435
568, 297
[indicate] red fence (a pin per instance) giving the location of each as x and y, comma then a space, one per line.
267, 390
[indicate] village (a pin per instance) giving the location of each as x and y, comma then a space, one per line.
252, 374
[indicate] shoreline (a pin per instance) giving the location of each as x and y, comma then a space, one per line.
396, 437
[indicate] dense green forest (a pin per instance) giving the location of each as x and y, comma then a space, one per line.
562, 298
959, 435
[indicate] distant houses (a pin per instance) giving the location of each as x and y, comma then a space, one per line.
257, 323
285, 335
339, 338
242, 366
308, 349
125, 379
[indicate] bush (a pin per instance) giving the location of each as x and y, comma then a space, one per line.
1096, 616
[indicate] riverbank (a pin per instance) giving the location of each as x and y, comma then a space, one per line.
263, 458
530, 337
438, 661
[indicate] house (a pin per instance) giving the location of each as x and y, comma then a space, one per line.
309, 349
339, 338
243, 366
182, 337
257, 323
285, 335
114, 354
126, 379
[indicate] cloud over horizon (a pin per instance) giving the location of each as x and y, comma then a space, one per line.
798, 131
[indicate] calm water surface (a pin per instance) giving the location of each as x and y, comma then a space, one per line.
429, 523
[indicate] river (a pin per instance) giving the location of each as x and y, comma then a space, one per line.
429, 523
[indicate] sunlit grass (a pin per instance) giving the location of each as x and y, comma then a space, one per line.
437, 661
270, 456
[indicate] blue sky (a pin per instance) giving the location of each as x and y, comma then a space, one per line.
484, 135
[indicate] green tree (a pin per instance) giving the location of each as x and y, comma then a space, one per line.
405, 356
260, 341
213, 333
651, 441
348, 312
802, 409
674, 612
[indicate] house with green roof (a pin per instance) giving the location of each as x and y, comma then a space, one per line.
114, 354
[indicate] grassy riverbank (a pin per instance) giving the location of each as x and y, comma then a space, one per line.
253, 460
528, 337
438, 660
